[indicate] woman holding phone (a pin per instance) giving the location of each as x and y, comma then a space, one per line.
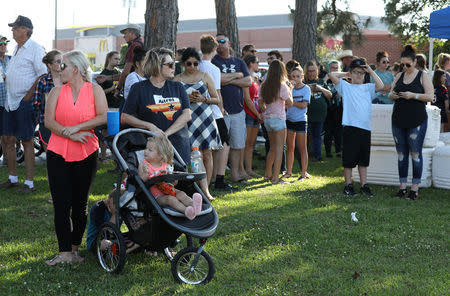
202, 93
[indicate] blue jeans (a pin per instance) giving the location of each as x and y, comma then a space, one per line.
410, 140
315, 135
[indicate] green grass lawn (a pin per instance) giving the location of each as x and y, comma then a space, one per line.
294, 239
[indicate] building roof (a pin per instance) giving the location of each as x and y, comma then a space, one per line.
205, 25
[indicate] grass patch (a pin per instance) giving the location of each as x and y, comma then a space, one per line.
294, 239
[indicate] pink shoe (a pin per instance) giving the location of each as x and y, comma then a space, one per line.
189, 213
197, 203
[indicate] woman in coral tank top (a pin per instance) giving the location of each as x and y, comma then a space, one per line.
72, 112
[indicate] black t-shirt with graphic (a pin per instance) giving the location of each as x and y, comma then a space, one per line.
162, 107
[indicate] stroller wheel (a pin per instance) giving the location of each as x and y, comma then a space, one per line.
110, 248
179, 244
188, 269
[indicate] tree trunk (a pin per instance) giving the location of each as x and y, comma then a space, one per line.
161, 18
305, 31
226, 23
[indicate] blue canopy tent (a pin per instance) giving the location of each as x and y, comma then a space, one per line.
439, 28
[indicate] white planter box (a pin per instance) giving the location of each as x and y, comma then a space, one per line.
445, 137
441, 167
382, 126
383, 168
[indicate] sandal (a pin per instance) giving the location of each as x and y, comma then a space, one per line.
253, 174
413, 195
307, 176
58, 259
401, 193
268, 179
76, 257
286, 175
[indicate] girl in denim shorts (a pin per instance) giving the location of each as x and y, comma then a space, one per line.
275, 96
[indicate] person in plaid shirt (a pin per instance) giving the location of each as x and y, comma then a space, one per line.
53, 62
4, 61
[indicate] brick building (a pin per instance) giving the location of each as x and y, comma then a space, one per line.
266, 32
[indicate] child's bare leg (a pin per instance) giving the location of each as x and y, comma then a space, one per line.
183, 198
172, 201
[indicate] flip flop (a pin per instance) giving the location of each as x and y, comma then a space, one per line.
58, 259
285, 176
242, 181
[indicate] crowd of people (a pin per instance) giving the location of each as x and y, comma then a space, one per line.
211, 100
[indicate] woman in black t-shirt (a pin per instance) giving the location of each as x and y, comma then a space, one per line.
410, 92
158, 104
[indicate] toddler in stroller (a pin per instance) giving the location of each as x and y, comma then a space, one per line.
155, 226
158, 156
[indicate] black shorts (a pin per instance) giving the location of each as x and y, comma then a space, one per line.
298, 126
356, 147
223, 131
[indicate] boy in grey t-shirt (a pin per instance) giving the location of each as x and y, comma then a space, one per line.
357, 100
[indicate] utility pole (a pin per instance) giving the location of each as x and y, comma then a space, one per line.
56, 24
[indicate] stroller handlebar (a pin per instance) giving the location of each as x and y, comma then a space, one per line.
122, 161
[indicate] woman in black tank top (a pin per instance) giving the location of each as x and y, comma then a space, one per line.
411, 90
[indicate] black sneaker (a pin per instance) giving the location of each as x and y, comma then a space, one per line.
349, 190
366, 190
401, 193
223, 186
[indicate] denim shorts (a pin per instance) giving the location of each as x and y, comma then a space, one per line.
274, 124
19, 123
250, 121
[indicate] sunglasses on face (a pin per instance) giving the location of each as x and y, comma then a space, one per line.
192, 63
58, 62
253, 51
408, 65
385, 62
223, 41
63, 66
170, 65
3, 43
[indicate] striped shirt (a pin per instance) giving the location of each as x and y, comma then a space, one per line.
24, 68
3, 65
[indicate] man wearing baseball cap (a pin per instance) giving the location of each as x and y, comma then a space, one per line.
132, 35
24, 68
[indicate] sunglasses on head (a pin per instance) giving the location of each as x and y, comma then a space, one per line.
408, 65
3, 43
170, 65
222, 41
192, 63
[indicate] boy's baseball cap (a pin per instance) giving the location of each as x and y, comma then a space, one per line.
22, 21
358, 63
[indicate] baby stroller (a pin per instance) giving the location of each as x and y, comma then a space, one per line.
155, 228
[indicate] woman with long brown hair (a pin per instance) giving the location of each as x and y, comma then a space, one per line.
275, 96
